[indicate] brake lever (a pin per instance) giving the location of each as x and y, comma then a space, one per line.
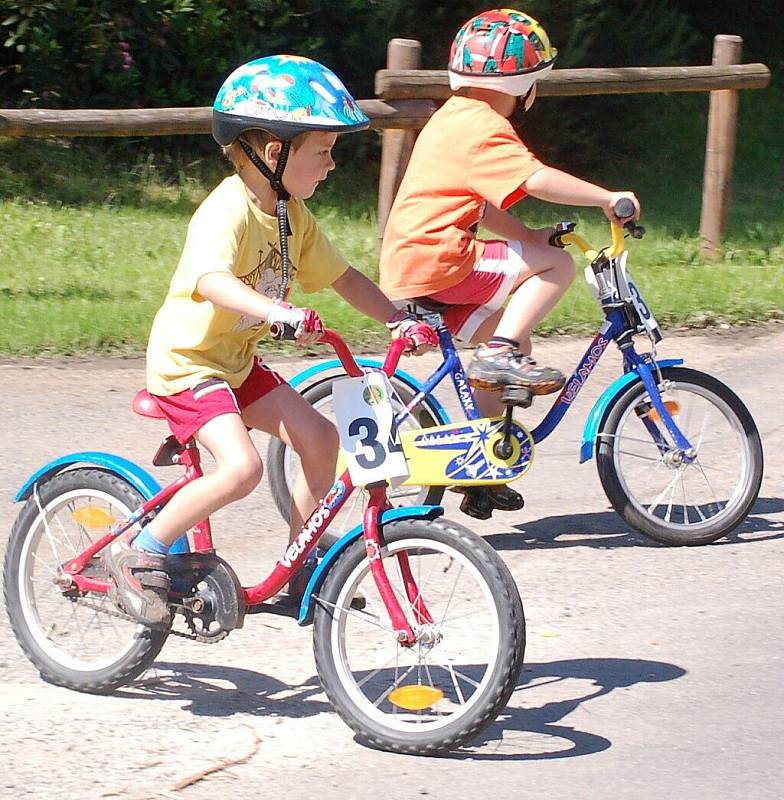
634, 230
561, 229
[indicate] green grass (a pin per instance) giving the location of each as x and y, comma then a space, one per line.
87, 247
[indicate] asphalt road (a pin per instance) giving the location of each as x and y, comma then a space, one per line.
650, 671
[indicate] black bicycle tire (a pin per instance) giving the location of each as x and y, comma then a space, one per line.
146, 646
511, 642
620, 500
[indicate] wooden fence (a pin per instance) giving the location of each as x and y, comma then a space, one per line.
407, 96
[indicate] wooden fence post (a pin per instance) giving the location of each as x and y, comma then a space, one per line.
396, 145
719, 150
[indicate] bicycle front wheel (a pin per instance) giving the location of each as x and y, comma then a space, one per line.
653, 488
78, 641
436, 695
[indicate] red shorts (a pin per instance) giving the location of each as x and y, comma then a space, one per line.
189, 410
484, 291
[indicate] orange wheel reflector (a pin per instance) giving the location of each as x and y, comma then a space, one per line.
93, 517
415, 698
670, 405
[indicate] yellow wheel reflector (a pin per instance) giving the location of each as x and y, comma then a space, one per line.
415, 698
670, 405
93, 517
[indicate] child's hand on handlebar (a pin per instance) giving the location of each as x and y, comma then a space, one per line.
609, 208
305, 322
421, 338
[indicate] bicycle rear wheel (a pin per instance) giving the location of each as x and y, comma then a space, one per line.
438, 694
81, 642
650, 485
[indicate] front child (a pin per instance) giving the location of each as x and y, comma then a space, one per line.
277, 119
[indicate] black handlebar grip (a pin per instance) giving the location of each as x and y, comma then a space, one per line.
624, 208
283, 332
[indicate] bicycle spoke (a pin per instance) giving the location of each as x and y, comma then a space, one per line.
669, 488
458, 690
638, 456
371, 675
45, 565
452, 671
351, 612
383, 696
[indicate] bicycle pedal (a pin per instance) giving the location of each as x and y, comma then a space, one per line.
504, 498
517, 396
487, 386
476, 504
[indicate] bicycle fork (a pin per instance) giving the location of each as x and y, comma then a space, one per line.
686, 450
404, 631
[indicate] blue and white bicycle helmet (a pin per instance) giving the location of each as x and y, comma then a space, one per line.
285, 96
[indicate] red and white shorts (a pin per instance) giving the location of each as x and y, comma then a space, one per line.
484, 291
189, 410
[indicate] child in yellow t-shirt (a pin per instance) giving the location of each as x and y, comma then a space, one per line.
467, 167
277, 119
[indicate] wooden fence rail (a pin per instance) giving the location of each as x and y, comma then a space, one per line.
434, 84
407, 97
399, 114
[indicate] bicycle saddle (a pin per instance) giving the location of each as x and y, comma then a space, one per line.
427, 304
145, 405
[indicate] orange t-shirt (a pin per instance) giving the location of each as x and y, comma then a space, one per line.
467, 154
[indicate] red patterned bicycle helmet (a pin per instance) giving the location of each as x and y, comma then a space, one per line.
503, 49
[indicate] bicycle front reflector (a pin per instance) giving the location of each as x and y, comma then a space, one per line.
93, 517
670, 405
415, 698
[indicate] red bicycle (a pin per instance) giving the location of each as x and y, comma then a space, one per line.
430, 659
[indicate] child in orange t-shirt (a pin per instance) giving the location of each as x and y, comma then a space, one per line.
467, 167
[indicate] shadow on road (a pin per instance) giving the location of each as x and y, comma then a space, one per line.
606, 529
519, 734
533, 731
221, 691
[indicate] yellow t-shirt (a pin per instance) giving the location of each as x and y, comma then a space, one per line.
192, 339
466, 154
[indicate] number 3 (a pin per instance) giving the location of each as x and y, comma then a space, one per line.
369, 440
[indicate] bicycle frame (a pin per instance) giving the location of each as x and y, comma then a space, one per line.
298, 550
617, 327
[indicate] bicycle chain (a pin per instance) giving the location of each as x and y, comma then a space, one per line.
113, 612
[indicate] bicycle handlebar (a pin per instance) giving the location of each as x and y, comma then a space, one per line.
564, 233
335, 340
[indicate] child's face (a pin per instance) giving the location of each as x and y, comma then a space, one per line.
309, 164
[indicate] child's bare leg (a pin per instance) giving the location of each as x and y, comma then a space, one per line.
544, 277
138, 570
285, 414
238, 472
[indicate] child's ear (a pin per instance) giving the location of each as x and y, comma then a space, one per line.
271, 153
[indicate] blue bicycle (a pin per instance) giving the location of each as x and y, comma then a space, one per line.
678, 453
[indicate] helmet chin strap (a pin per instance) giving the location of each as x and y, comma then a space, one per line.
276, 182
527, 100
